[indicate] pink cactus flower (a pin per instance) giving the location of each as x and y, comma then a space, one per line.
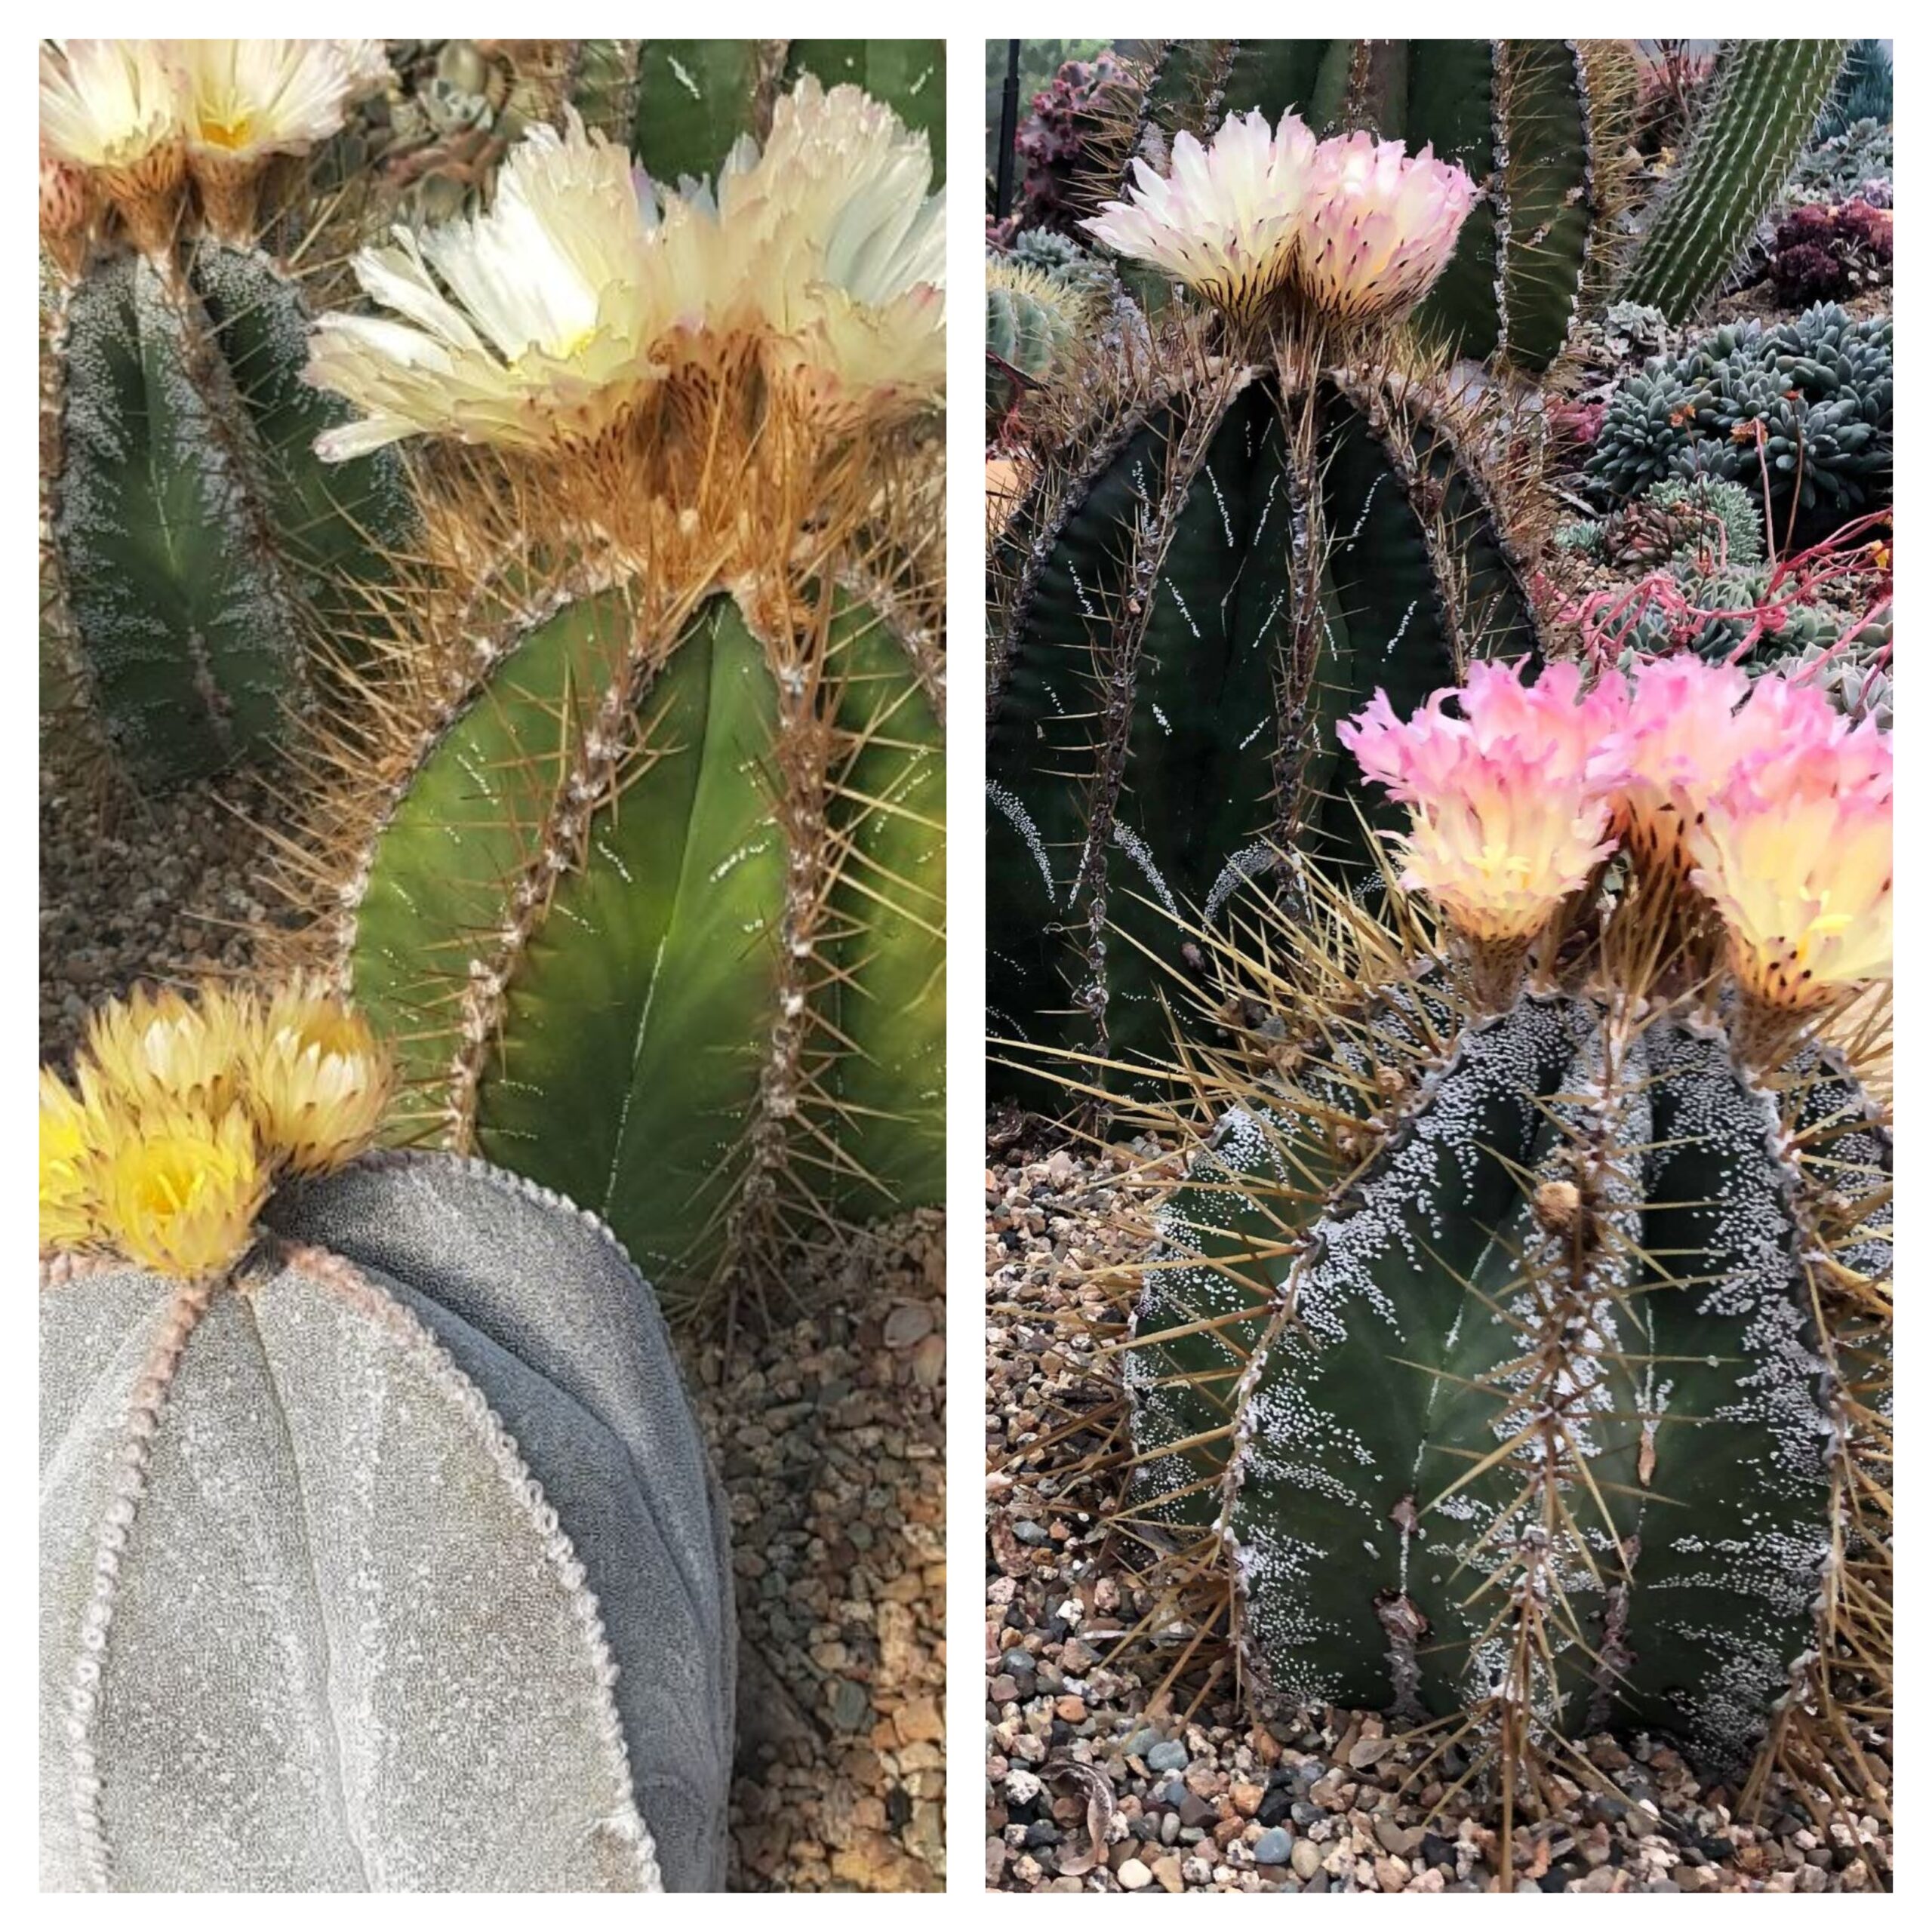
1798, 864
1381, 226
1510, 803
1226, 218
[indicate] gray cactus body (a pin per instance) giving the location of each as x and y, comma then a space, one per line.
395, 1564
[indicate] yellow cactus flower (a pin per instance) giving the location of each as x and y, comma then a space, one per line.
162, 1049
70, 1215
317, 1081
179, 1190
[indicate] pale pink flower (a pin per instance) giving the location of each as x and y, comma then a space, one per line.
1379, 226
1226, 218
1510, 802
1795, 854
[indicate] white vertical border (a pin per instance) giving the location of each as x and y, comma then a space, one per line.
966, 961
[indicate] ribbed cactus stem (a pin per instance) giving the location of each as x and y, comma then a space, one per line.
1765, 100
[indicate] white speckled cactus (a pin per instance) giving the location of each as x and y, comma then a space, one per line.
388, 1560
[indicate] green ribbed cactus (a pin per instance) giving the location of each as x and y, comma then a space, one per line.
1195, 590
1535, 122
695, 97
1520, 1359
1764, 104
390, 1561
657, 919
207, 567
1031, 318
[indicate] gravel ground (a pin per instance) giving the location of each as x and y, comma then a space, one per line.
1090, 1787
829, 1432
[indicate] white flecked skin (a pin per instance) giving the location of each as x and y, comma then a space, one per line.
395, 1565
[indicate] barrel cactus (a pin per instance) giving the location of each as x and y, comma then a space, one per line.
1032, 319
641, 865
206, 569
1540, 124
1765, 102
1515, 1357
379, 1550
1236, 531
695, 98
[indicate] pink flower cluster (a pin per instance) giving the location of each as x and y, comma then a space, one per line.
1350, 226
1759, 794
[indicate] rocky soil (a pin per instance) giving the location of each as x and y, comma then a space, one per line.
1092, 1785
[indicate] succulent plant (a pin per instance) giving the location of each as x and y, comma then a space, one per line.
1855, 164
1858, 681
1704, 521
1514, 1357
1054, 143
379, 1550
1762, 104
695, 98
1821, 252
207, 574
1540, 124
1031, 319
1195, 588
1726, 605
1862, 92
1803, 408
642, 866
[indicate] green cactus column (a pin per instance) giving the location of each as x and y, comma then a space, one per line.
659, 923
1178, 618
1765, 101
393, 1563
208, 562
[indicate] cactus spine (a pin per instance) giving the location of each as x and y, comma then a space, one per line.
1196, 588
390, 1562
1767, 99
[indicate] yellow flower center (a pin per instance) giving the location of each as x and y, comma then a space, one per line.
236, 132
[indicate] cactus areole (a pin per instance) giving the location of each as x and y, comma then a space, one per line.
389, 1560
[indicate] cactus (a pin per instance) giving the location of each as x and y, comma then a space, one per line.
695, 97
1180, 609
389, 1561
682, 957
1764, 102
1514, 1356
641, 863
207, 575
1538, 123
1031, 318
1863, 92
206, 560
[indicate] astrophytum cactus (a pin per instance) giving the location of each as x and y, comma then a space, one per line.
1516, 1357
1236, 532
379, 1547
641, 865
205, 568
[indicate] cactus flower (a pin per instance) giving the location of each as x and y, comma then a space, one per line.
1227, 219
1793, 849
243, 101
67, 1209
317, 1081
550, 318
1379, 226
160, 1049
113, 108
1509, 803
180, 1190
